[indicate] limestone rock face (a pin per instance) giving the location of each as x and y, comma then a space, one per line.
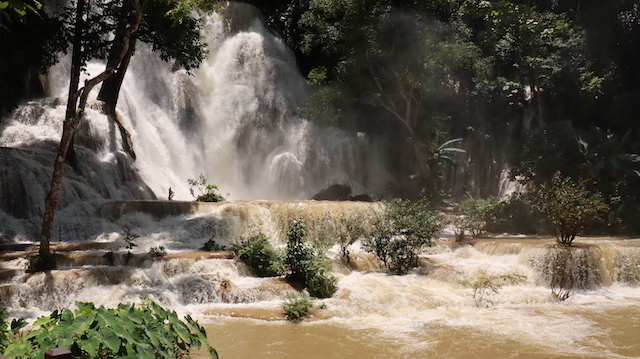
28, 146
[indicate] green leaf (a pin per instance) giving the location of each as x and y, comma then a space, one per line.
145, 351
110, 339
182, 332
42, 321
18, 348
125, 334
91, 344
3, 5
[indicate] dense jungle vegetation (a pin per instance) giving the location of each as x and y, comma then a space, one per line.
538, 87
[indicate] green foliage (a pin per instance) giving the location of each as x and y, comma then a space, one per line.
7, 332
30, 44
544, 152
304, 264
258, 253
569, 205
515, 214
348, 229
128, 331
173, 33
401, 232
295, 308
531, 48
205, 192
485, 284
20, 7
129, 237
212, 246
473, 215
612, 162
157, 251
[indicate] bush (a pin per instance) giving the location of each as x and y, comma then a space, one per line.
474, 214
516, 214
568, 206
304, 265
348, 229
212, 246
6, 331
485, 284
258, 253
205, 192
157, 251
401, 232
296, 308
147, 332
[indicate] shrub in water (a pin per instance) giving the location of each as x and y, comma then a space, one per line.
569, 205
296, 308
157, 252
212, 246
41, 263
473, 216
206, 192
304, 265
401, 232
258, 253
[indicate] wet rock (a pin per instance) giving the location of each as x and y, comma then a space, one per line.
335, 192
361, 198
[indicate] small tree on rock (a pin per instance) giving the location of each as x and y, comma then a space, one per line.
569, 206
401, 232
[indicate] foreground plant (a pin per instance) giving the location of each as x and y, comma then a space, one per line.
147, 331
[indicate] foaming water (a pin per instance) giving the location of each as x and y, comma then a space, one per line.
429, 313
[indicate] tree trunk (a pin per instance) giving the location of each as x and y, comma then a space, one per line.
72, 100
119, 59
109, 93
75, 113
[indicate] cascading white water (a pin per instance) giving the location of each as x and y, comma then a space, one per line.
234, 121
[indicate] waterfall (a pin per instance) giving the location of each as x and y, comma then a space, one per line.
233, 119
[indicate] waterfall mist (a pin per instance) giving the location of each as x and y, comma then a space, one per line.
235, 122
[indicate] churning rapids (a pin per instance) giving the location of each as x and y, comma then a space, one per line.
430, 313
233, 120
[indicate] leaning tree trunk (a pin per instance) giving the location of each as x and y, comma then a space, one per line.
74, 115
76, 67
72, 100
109, 93
119, 59
68, 130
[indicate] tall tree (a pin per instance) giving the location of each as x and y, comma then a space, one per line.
76, 104
30, 41
86, 45
538, 55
